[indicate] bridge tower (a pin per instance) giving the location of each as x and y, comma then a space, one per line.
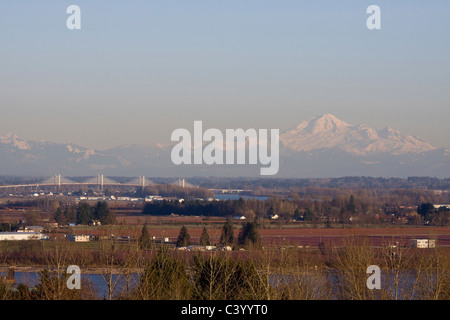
142, 183
57, 181
100, 181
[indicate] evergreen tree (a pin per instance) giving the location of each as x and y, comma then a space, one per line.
183, 238
249, 234
70, 214
204, 238
52, 286
164, 278
351, 205
308, 215
426, 210
60, 218
103, 213
144, 240
227, 235
221, 277
297, 214
84, 213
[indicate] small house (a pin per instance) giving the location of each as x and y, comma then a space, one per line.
78, 237
423, 243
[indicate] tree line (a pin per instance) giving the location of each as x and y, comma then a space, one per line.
365, 207
341, 182
248, 236
84, 213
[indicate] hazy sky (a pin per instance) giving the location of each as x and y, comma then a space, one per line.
137, 70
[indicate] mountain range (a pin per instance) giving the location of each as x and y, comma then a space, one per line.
324, 146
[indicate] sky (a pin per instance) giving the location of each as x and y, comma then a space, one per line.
138, 70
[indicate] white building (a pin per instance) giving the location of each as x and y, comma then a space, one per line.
152, 198
423, 243
437, 206
95, 223
78, 237
23, 236
199, 248
30, 229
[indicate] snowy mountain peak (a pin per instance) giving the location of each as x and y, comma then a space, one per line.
329, 121
8, 138
14, 141
322, 123
327, 131
389, 133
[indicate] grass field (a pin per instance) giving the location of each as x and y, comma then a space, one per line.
274, 233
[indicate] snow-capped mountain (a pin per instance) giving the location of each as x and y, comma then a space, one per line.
26, 157
14, 141
327, 131
329, 147
321, 147
43, 158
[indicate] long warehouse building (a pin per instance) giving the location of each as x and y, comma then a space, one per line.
22, 236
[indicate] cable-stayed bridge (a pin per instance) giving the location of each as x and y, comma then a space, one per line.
100, 181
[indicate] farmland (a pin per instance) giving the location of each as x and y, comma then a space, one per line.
327, 240
272, 233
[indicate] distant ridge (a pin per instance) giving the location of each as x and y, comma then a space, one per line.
324, 146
